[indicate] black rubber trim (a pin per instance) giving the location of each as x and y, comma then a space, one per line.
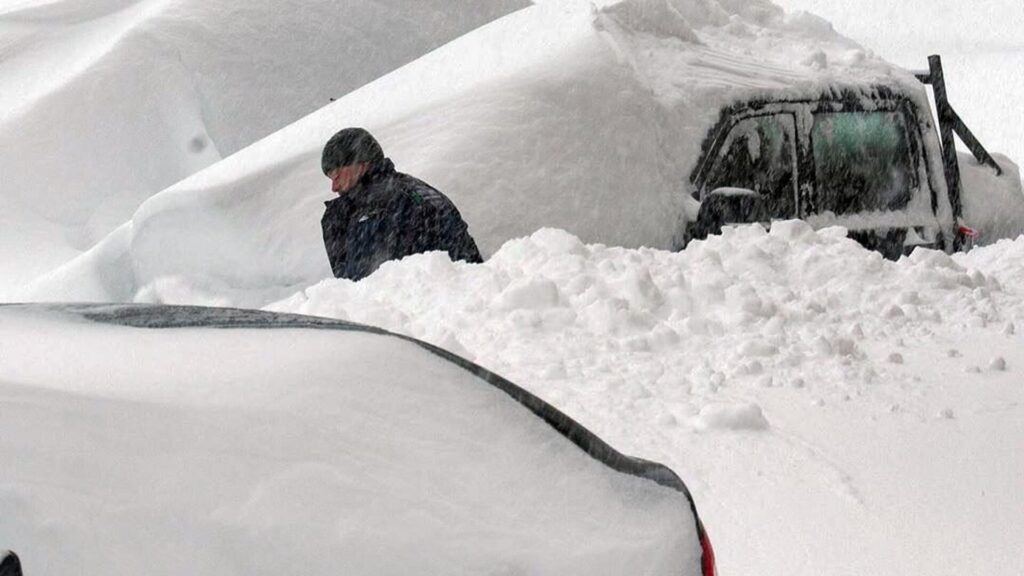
9, 564
149, 316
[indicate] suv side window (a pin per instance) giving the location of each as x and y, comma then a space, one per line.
759, 154
862, 162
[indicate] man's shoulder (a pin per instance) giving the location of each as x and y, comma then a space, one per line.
420, 193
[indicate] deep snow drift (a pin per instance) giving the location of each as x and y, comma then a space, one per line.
107, 102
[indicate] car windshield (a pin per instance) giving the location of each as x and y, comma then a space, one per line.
862, 162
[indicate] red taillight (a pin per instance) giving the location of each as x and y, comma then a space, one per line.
968, 232
707, 559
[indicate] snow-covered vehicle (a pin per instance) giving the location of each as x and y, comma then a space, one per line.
561, 115
867, 159
166, 440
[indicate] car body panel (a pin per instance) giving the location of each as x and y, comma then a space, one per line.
208, 441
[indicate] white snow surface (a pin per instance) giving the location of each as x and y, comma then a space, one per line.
219, 452
833, 412
109, 101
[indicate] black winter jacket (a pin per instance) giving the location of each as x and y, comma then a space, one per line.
389, 215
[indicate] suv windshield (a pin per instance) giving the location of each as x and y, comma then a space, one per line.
862, 161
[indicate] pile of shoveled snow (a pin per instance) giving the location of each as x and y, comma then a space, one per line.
790, 307
110, 102
800, 371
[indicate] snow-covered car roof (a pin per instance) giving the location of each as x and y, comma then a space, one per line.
563, 115
165, 440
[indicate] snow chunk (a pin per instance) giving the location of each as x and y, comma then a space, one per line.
998, 364
529, 294
747, 416
792, 230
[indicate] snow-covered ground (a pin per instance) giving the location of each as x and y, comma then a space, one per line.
833, 412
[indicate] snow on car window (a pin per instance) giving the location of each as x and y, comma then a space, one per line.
758, 155
862, 161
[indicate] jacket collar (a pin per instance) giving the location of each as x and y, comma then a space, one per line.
378, 170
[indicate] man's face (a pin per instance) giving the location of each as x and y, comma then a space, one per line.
343, 178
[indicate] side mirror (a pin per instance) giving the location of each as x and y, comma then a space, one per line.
729, 206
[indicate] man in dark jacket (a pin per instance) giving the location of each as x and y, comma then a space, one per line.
381, 214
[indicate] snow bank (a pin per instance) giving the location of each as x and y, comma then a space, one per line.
231, 451
558, 115
782, 308
117, 100
783, 371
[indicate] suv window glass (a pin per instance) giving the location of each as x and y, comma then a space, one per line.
758, 154
861, 161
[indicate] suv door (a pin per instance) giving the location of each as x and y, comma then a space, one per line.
759, 154
849, 161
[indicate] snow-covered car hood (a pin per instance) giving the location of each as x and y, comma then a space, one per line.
160, 440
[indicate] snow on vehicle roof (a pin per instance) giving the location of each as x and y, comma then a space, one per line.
561, 115
222, 450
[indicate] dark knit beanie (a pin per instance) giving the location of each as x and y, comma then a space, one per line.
350, 146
